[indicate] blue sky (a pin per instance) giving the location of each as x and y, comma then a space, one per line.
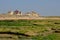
43, 7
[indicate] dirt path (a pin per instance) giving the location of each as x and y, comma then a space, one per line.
14, 18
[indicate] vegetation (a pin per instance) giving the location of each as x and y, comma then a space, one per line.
32, 29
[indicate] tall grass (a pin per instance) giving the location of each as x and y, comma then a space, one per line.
38, 27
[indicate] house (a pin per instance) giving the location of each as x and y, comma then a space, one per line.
32, 14
10, 12
16, 12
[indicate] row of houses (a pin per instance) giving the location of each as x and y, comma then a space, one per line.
19, 13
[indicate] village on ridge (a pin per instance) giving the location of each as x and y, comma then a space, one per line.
19, 15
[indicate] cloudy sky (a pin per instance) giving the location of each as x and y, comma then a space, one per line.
43, 7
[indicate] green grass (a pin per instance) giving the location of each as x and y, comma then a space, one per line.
37, 27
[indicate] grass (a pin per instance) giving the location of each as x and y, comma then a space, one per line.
37, 29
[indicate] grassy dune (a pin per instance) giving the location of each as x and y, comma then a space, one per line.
30, 29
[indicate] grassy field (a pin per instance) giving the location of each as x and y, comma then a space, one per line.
30, 29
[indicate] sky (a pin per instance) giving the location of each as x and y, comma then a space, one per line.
42, 7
